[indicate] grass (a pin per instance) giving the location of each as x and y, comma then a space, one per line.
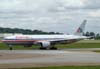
89, 41
80, 44
66, 67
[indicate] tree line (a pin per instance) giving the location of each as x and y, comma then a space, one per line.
92, 35
24, 31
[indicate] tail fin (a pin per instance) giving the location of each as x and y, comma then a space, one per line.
80, 30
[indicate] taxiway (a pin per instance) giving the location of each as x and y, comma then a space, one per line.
34, 58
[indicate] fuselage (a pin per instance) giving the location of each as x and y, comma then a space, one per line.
31, 39
42, 37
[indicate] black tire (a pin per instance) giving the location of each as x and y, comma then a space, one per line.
53, 48
43, 48
10, 48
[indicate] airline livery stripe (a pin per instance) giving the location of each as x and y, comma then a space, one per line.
18, 40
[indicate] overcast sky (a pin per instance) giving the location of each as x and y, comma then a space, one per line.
50, 15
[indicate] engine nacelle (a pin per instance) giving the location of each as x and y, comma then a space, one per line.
45, 44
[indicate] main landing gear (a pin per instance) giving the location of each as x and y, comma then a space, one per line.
45, 48
53, 48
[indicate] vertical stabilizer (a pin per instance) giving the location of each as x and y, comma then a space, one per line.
80, 30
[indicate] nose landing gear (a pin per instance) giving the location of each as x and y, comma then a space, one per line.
10, 47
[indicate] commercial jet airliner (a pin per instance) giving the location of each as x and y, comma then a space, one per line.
45, 41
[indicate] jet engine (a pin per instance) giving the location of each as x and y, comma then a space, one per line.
45, 44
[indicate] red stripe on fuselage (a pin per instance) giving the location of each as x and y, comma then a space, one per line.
18, 41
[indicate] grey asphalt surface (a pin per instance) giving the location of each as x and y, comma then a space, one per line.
56, 56
81, 49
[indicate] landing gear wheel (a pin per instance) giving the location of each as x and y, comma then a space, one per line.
53, 48
10, 48
43, 48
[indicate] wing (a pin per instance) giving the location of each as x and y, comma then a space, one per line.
60, 41
64, 41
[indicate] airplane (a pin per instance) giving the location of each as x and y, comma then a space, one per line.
45, 41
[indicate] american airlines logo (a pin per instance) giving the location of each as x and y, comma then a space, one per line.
79, 30
23, 37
